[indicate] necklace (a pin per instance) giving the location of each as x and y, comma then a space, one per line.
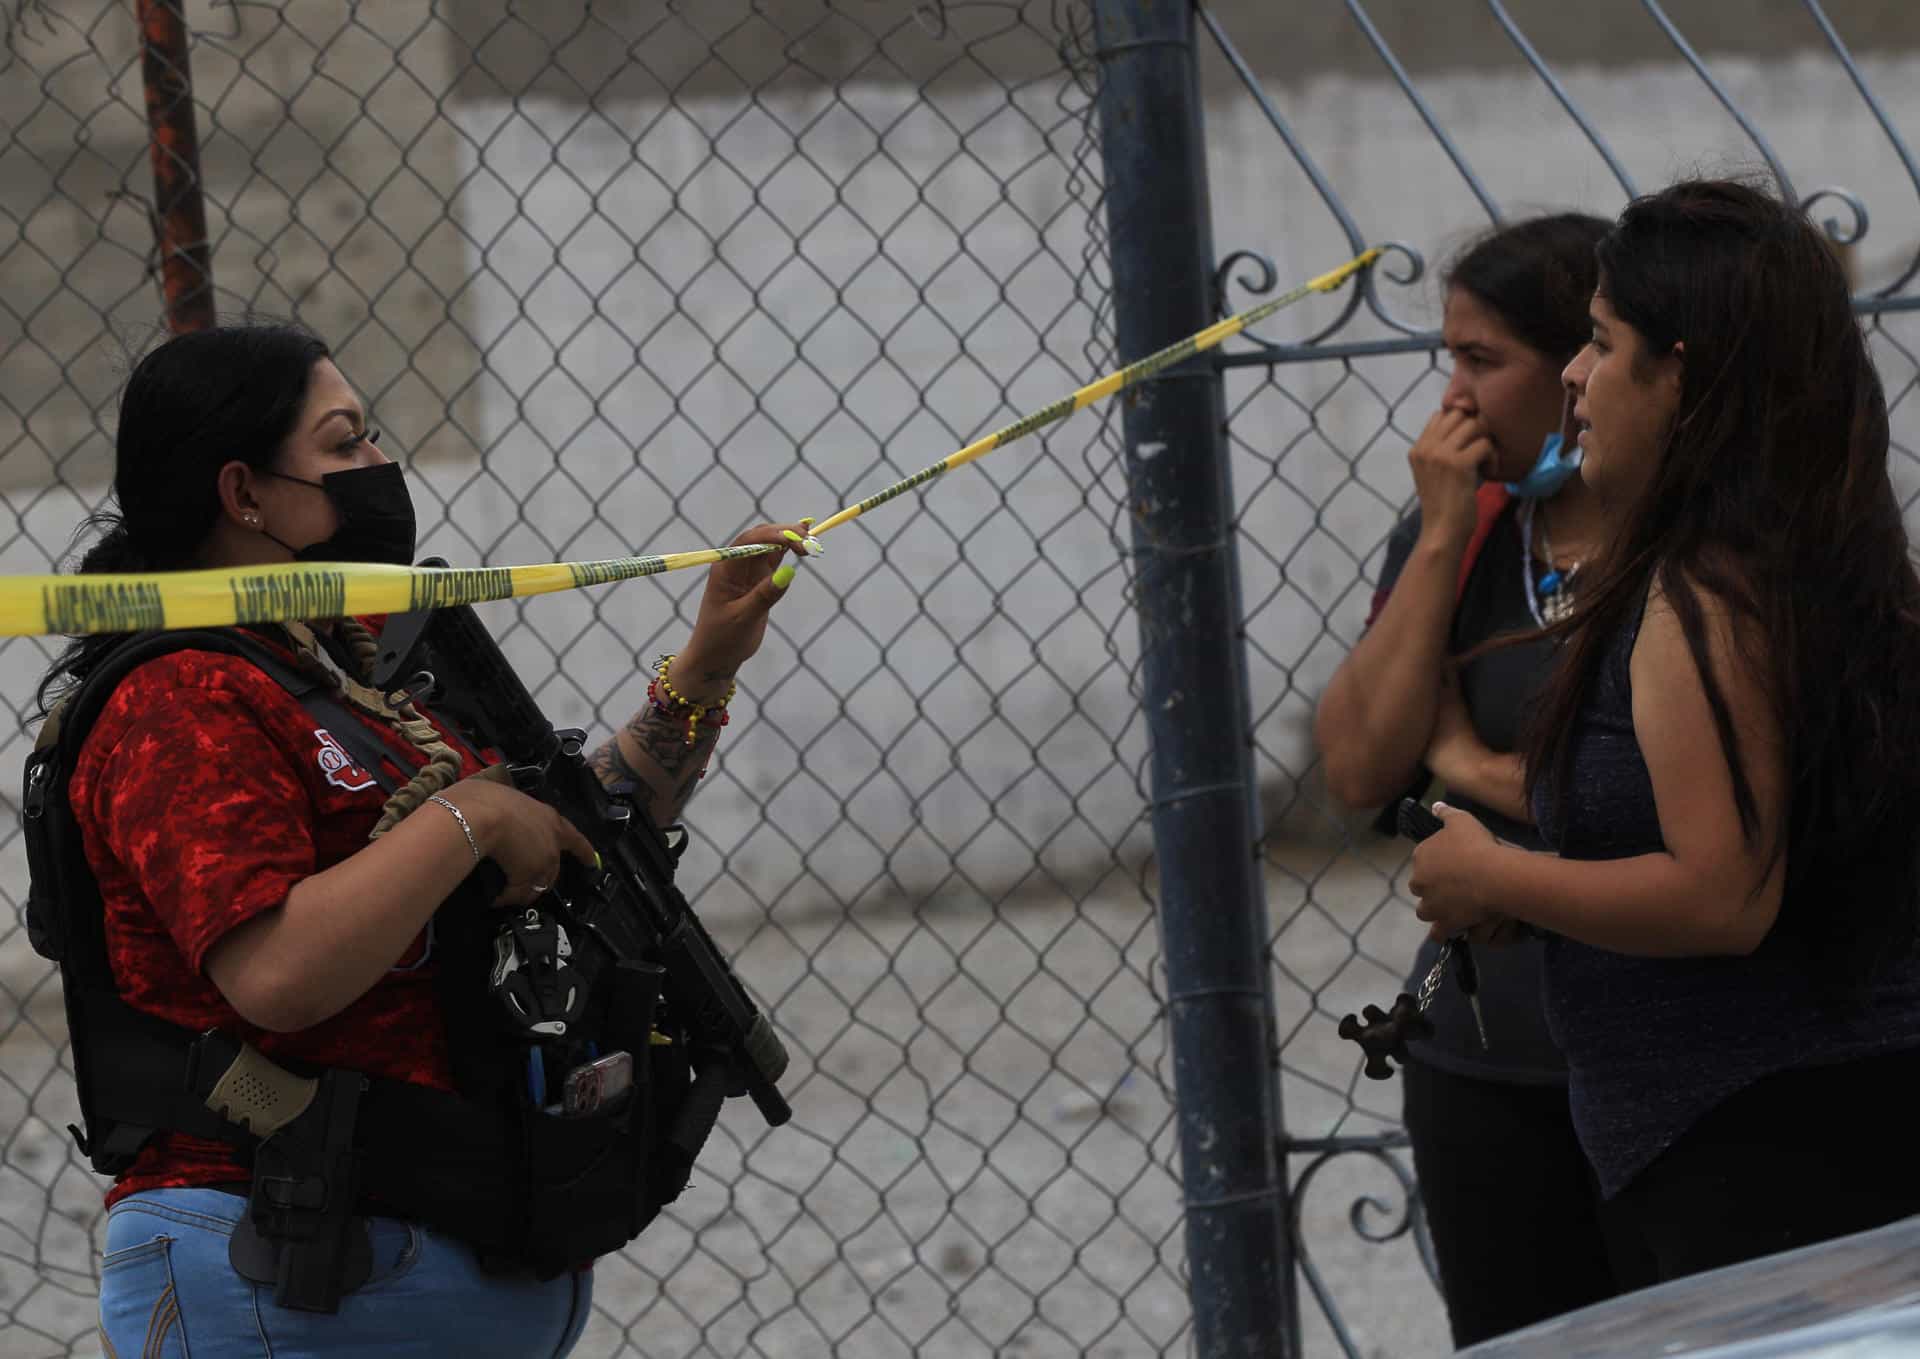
1552, 599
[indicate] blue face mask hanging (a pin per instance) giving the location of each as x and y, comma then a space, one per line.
1550, 471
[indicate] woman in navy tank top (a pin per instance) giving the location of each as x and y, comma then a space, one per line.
1726, 762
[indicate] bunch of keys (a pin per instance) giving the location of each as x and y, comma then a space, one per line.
1385, 1034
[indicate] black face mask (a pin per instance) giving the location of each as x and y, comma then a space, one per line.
376, 517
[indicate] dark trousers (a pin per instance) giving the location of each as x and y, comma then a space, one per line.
1511, 1203
1796, 1158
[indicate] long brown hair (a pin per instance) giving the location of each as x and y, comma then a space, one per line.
1772, 494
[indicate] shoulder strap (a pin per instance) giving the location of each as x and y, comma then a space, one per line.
73, 717
1489, 502
309, 690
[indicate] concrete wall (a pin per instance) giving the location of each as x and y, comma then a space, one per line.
629, 47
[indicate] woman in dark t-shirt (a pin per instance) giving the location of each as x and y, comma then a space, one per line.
1727, 758
1496, 547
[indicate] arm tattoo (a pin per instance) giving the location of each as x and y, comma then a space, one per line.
610, 763
668, 768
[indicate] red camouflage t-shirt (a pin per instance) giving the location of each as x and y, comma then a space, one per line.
204, 792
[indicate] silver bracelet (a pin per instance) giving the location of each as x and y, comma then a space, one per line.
465, 829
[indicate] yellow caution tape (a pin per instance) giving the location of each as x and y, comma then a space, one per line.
38, 606
33, 606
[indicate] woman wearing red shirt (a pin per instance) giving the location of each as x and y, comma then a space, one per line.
257, 881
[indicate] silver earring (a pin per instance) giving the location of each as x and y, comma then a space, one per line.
253, 521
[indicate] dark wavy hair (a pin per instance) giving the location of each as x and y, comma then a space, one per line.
1538, 275
191, 405
1772, 494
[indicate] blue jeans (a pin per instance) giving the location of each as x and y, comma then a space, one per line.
168, 1292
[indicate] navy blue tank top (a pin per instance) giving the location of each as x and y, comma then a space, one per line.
1653, 1044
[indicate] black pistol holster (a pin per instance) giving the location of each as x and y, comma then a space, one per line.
300, 1234
300, 1220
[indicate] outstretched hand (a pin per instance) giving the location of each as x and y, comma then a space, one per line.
734, 610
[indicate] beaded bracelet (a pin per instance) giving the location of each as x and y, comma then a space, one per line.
671, 702
714, 716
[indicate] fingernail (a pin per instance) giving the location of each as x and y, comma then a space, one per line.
807, 522
812, 545
596, 860
783, 576
791, 536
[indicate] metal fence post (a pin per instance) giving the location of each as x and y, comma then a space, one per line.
179, 205
1194, 690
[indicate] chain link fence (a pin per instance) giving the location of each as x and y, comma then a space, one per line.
629, 276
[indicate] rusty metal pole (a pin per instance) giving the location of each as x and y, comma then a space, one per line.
179, 206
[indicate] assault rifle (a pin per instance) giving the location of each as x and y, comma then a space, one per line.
453, 662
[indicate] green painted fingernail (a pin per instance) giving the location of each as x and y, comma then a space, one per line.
790, 536
783, 576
